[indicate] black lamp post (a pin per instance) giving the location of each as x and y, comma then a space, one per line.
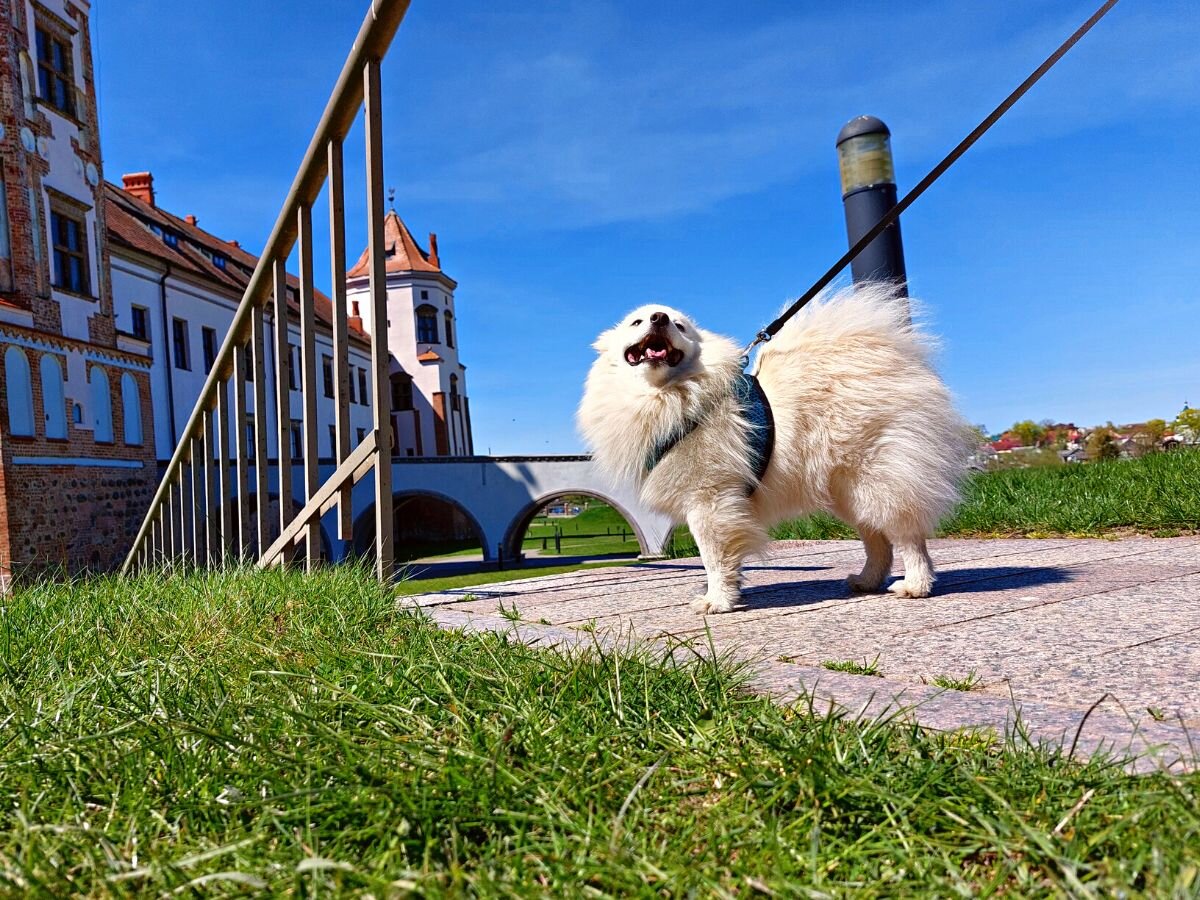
868, 191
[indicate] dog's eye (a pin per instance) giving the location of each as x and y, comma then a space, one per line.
635, 323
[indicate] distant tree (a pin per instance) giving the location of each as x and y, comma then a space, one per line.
1149, 437
1101, 445
1187, 424
978, 435
1030, 432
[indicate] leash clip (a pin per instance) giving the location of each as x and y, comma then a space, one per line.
761, 338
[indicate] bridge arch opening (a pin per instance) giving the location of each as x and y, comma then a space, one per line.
576, 523
425, 524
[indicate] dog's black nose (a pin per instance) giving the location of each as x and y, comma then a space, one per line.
660, 319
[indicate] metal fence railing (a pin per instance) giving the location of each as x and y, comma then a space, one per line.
203, 511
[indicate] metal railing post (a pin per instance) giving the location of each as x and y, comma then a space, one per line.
258, 343
341, 347
380, 357
283, 395
308, 382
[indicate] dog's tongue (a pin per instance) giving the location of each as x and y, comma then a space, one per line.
656, 353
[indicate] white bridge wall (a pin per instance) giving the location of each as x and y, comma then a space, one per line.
499, 493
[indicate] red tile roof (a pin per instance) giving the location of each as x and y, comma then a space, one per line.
128, 219
403, 253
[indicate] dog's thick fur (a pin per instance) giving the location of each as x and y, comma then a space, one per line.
865, 430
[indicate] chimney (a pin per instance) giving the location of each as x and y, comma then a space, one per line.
234, 244
433, 251
354, 320
140, 185
191, 220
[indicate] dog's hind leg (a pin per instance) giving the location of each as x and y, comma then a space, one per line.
726, 532
918, 568
879, 561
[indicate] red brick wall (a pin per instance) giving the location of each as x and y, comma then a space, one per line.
68, 516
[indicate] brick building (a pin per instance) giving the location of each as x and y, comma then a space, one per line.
112, 309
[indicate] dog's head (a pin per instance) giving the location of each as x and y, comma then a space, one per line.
654, 342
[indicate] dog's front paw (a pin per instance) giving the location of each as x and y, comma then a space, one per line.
708, 604
904, 588
864, 584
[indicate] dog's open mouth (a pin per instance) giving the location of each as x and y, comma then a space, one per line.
655, 350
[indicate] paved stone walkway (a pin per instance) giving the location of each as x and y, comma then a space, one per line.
1051, 627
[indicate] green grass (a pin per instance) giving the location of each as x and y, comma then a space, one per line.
294, 735
598, 519
854, 667
967, 682
449, 582
1158, 494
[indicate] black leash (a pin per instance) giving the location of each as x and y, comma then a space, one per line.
951, 158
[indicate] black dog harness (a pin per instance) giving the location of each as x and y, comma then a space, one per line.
753, 404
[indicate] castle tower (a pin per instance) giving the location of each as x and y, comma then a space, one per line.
431, 415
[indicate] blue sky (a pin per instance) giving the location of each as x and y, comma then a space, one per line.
580, 158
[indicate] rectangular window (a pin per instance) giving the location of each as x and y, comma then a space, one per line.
56, 85
140, 322
170, 238
249, 361
327, 374
179, 339
402, 392
362, 387
219, 261
293, 369
297, 440
208, 337
350, 382
333, 441
250, 436
69, 237
362, 433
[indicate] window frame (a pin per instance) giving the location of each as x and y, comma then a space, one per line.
209, 349
402, 388
139, 314
51, 78
427, 324
64, 212
362, 387
327, 375
176, 343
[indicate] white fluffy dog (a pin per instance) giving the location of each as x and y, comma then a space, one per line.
864, 429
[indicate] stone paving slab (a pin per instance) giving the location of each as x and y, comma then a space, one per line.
1051, 627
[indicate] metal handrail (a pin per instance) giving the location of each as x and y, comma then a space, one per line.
357, 86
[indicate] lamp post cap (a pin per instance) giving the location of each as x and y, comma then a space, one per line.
861, 125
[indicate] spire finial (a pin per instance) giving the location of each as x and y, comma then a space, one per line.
392, 198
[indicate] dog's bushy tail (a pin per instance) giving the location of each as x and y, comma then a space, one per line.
858, 311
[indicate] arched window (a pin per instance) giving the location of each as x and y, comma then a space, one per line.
53, 401
20, 392
131, 410
427, 327
101, 406
449, 329
454, 403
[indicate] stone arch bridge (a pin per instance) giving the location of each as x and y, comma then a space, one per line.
499, 496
